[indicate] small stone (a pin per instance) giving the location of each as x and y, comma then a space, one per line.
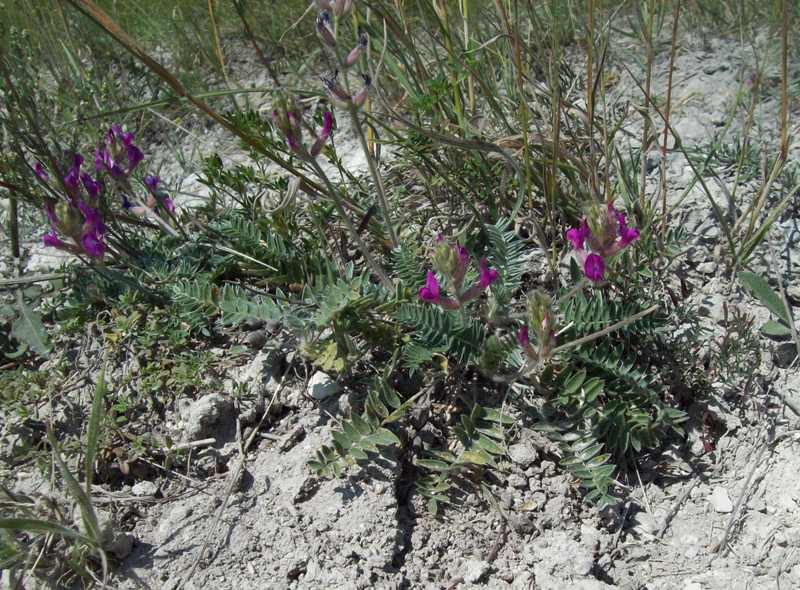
522, 454
252, 324
474, 570
693, 586
144, 488
256, 339
517, 481
784, 355
793, 294
721, 501
205, 415
321, 386
707, 268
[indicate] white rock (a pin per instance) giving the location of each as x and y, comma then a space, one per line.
144, 488
474, 570
522, 454
321, 386
721, 501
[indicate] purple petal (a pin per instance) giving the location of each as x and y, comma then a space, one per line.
92, 186
93, 219
73, 175
327, 123
523, 338
135, 156
169, 205
40, 172
51, 240
430, 292
578, 235
628, 235
151, 182
487, 275
93, 244
594, 268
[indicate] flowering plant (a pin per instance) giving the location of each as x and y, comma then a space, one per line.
75, 206
602, 234
452, 261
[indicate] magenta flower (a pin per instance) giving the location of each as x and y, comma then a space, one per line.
523, 337
324, 134
151, 182
626, 234
93, 218
40, 172
613, 235
51, 240
594, 267
577, 235
93, 245
430, 293
72, 179
118, 147
487, 275
93, 187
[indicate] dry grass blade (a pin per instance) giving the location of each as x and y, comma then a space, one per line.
108, 24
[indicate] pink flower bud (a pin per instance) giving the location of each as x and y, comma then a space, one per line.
361, 96
325, 133
324, 29
357, 51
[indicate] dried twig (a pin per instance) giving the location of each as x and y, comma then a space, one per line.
721, 545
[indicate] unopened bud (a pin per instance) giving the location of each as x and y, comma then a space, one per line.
360, 97
358, 50
324, 29
334, 88
325, 133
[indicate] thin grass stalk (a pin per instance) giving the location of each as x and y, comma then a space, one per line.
217, 44
648, 43
524, 117
590, 96
470, 78
676, 7
555, 89
376, 267
761, 202
13, 224
105, 22
239, 7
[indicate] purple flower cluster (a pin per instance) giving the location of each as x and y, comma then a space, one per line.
78, 216
600, 235
288, 120
452, 261
119, 156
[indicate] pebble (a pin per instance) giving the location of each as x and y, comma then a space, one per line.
321, 386
522, 454
144, 488
256, 339
474, 570
721, 501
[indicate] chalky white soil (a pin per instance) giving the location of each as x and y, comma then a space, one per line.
268, 523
